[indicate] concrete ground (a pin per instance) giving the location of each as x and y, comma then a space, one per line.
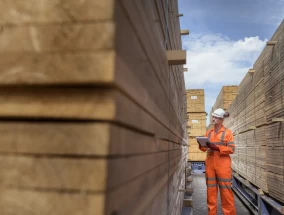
199, 199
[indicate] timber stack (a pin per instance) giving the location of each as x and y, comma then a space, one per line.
196, 125
93, 107
224, 100
257, 117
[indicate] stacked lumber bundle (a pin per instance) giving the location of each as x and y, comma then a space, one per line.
224, 99
93, 117
196, 125
188, 201
257, 117
195, 101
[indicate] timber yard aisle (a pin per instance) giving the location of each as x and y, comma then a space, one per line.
199, 199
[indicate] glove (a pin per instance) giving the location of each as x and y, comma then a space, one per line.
212, 146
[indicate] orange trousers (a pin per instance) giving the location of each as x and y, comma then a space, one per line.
219, 174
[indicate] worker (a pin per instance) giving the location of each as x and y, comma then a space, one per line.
218, 170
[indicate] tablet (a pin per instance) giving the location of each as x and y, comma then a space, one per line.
202, 141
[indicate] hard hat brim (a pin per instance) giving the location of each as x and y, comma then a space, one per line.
218, 116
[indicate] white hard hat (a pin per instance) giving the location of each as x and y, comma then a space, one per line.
220, 113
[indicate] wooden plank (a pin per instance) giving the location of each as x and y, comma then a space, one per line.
22, 201
251, 71
96, 175
176, 57
159, 203
46, 11
153, 50
175, 25
71, 138
76, 37
67, 69
162, 20
184, 32
195, 101
88, 103
187, 202
176, 181
53, 173
277, 119
57, 68
76, 104
188, 191
271, 43
145, 18
142, 73
125, 169
157, 23
189, 179
26, 202
275, 186
154, 95
143, 189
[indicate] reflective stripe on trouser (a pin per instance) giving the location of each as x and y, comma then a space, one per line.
219, 174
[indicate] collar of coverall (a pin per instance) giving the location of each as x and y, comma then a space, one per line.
220, 130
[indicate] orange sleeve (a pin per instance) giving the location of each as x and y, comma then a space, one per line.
230, 147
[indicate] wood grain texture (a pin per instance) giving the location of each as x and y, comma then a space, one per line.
90, 109
259, 154
46, 11
29, 202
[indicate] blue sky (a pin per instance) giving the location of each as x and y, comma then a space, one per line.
226, 37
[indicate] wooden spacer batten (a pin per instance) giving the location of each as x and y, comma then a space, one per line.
271, 43
251, 71
176, 57
187, 203
278, 120
184, 32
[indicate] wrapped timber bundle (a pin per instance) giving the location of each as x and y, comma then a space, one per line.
257, 117
93, 117
196, 125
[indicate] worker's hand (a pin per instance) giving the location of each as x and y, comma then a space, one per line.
208, 144
213, 146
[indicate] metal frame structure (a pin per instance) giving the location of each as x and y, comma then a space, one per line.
254, 199
197, 166
258, 202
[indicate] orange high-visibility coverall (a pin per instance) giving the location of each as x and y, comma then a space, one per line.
218, 171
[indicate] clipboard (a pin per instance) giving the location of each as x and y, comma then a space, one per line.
202, 141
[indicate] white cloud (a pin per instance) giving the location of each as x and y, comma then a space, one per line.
214, 61
214, 58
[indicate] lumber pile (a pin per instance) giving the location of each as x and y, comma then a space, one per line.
93, 119
224, 99
256, 119
196, 125
188, 201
